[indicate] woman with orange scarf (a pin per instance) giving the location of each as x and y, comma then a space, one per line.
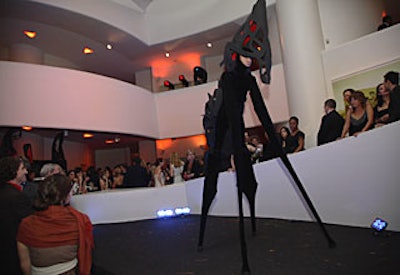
57, 239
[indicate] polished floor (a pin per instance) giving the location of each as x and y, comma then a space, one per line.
168, 247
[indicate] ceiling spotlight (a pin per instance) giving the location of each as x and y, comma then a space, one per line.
88, 50
167, 54
109, 47
117, 139
209, 45
30, 34
169, 85
87, 135
199, 75
26, 128
182, 79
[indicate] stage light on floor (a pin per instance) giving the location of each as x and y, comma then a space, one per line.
167, 213
379, 225
182, 211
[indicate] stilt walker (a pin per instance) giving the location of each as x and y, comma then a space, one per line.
250, 43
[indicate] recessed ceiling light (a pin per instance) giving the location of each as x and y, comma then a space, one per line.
88, 50
209, 45
167, 54
88, 135
26, 128
109, 141
30, 34
109, 47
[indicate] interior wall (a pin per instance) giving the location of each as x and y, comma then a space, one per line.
344, 21
361, 55
51, 97
179, 112
112, 157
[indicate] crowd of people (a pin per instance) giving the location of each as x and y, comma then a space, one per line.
139, 174
35, 211
361, 114
43, 235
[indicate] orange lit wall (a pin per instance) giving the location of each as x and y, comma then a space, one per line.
170, 68
165, 147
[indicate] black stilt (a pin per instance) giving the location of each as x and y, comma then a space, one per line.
252, 202
245, 262
209, 192
292, 172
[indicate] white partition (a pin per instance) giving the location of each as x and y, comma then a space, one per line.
125, 205
51, 97
350, 182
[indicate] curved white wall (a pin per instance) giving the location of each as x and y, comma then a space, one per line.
345, 180
373, 50
51, 97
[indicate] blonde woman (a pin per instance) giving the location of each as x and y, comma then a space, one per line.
359, 118
176, 167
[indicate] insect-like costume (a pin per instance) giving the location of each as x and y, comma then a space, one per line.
251, 40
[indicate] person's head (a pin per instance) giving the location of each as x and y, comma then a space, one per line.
136, 161
358, 100
246, 61
254, 140
107, 172
284, 132
175, 159
329, 105
391, 79
50, 169
246, 137
117, 171
12, 169
293, 123
387, 20
53, 190
190, 155
381, 91
347, 94
159, 162
71, 174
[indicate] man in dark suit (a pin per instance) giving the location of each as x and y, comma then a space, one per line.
331, 124
391, 82
14, 206
136, 175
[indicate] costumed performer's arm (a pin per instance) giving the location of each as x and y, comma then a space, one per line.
263, 115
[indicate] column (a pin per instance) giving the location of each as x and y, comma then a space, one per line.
302, 42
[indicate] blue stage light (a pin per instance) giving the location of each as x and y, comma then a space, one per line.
166, 213
182, 211
379, 224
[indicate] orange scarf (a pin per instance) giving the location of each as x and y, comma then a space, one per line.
57, 226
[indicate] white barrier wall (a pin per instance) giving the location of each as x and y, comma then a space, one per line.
51, 97
350, 182
367, 52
